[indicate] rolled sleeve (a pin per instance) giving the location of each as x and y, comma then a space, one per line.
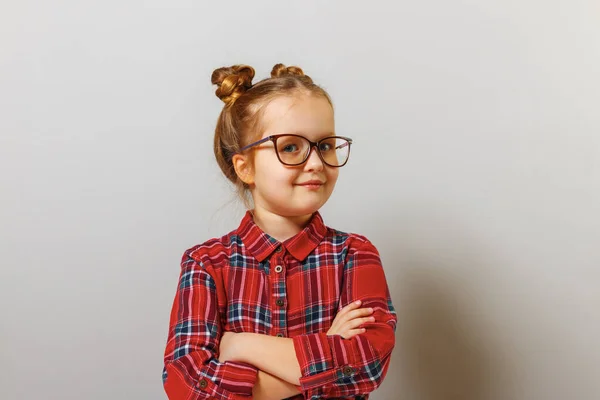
332, 366
192, 370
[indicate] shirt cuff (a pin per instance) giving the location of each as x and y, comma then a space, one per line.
238, 377
235, 381
323, 359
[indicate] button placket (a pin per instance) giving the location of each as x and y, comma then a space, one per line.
278, 294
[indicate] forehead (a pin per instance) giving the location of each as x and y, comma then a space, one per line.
308, 115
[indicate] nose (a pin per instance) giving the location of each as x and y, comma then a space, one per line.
314, 162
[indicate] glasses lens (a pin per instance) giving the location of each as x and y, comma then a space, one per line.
292, 149
335, 150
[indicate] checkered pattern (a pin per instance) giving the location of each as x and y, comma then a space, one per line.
246, 281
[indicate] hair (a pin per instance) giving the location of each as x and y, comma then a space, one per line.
239, 122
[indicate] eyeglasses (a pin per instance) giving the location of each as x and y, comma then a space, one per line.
294, 150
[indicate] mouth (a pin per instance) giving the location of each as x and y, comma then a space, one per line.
314, 184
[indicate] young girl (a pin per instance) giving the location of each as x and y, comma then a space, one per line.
283, 306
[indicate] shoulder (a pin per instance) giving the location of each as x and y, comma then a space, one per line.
353, 242
211, 253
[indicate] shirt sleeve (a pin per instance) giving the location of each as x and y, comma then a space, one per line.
191, 368
334, 367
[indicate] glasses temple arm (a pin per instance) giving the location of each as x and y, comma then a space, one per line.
255, 143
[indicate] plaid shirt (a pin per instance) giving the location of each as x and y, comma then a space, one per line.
247, 281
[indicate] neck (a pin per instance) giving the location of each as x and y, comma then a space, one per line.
278, 226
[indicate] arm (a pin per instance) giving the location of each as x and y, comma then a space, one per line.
244, 347
269, 387
273, 355
192, 371
333, 366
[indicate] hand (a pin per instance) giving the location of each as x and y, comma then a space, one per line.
348, 322
227, 349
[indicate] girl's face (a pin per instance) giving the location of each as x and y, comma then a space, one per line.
279, 188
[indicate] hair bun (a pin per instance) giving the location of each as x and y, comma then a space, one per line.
232, 82
280, 70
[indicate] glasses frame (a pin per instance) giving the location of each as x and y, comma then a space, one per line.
273, 138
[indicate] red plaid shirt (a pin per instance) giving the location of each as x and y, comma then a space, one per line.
246, 281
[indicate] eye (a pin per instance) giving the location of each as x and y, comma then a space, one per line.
290, 148
325, 146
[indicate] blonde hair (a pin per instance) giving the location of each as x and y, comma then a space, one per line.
239, 121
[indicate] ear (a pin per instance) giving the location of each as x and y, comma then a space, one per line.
243, 168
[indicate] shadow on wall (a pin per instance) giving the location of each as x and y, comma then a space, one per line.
443, 351
434, 355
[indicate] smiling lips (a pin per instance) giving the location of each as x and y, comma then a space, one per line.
314, 184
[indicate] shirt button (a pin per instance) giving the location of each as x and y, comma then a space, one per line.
279, 302
278, 249
280, 334
203, 384
278, 268
347, 371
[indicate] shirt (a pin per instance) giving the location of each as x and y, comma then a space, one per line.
247, 281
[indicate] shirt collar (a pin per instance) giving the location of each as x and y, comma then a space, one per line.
261, 244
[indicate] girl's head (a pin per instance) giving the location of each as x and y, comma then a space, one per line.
275, 172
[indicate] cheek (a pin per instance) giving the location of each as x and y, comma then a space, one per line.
272, 174
332, 176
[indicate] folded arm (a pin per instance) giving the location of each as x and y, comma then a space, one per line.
191, 368
329, 366
269, 387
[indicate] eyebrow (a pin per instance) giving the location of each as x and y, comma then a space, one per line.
319, 136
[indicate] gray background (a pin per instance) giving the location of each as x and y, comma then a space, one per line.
475, 171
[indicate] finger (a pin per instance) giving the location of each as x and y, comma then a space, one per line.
361, 312
353, 332
359, 322
353, 314
350, 307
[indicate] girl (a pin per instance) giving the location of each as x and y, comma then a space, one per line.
283, 306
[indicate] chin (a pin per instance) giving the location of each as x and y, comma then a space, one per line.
294, 206
309, 208
297, 210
